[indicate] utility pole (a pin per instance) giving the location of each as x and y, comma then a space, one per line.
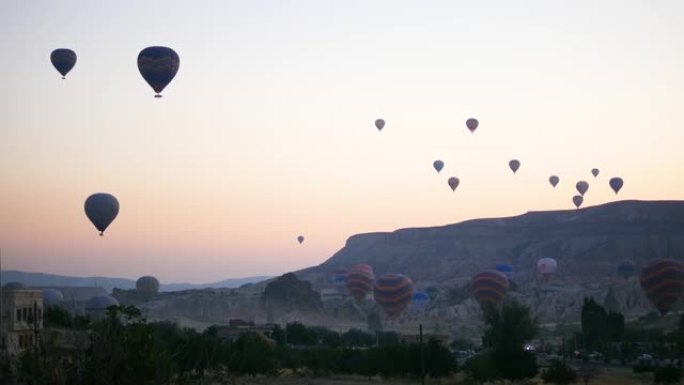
422, 355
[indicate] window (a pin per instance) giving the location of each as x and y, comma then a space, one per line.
21, 341
24, 314
18, 314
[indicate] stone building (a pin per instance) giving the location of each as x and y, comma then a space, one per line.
21, 312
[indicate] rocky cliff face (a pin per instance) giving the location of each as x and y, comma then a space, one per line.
587, 243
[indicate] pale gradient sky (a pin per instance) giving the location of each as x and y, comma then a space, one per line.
267, 130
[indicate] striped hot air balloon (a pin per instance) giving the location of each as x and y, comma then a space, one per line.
360, 281
393, 293
663, 282
489, 286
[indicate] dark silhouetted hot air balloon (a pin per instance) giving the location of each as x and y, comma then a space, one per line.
438, 165
453, 183
577, 200
505, 269
489, 287
626, 268
101, 209
158, 66
379, 124
147, 286
432, 292
547, 267
595, 172
472, 124
553, 179
582, 187
420, 300
360, 281
63, 60
514, 165
663, 282
616, 184
393, 293
300, 239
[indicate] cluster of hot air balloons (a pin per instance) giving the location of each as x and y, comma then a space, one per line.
157, 65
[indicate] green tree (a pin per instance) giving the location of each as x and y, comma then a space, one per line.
594, 323
506, 333
559, 373
252, 355
481, 368
667, 375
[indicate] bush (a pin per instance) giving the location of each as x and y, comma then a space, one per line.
559, 373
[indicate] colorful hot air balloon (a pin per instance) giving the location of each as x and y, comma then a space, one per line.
595, 172
63, 60
582, 187
577, 200
505, 269
547, 268
615, 184
300, 239
514, 165
147, 286
393, 293
419, 301
339, 279
101, 209
626, 268
453, 183
663, 282
360, 281
489, 287
438, 165
379, 124
472, 124
553, 179
158, 66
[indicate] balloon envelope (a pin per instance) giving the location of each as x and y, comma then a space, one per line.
101, 209
505, 269
420, 300
52, 297
379, 124
472, 124
489, 287
432, 292
615, 184
626, 268
547, 267
663, 282
438, 165
553, 179
453, 183
147, 285
393, 293
514, 165
63, 59
577, 200
300, 239
360, 281
158, 66
582, 187
595, 172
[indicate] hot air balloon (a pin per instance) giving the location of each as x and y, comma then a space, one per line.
489, 287
300, 239
158, 66
663, 282
438, 165
393, 293
553, 179
582, 187
360, 281
547, 268
339, 279
505, 269
52, 297
626, 268
514, 165
419, 301
472, 124
432, 292
595, 172
101, 209
577, 200
615, 184
379, 124
453, 183
63, 60
147, 286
